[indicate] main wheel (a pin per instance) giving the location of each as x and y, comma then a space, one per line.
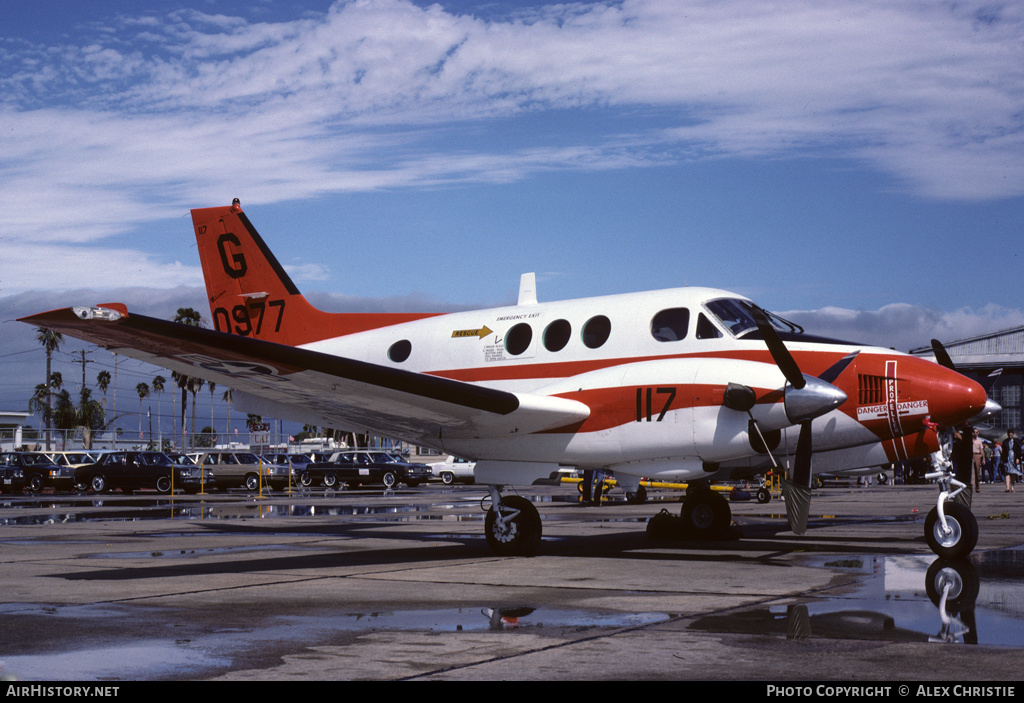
330, 480
305, 479
35, 483
962, 535
252, 482
447, 478
519, 534
390, 479
706, 515
98, 483
637, 497
763, 495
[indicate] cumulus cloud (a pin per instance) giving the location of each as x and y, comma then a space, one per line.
903, 326
153, 113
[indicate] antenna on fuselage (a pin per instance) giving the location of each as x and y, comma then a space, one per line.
528, 289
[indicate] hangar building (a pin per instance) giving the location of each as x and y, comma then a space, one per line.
979, 357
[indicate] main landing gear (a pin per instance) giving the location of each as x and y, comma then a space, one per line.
512, 525
705, 515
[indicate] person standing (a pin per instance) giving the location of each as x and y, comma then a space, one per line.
977, 458
1011, 460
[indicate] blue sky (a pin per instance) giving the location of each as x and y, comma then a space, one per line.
858, 164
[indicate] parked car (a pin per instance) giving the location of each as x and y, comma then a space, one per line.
12, 478
39, 471
242, 469
454, 469
364, 467
132, 471
296, 461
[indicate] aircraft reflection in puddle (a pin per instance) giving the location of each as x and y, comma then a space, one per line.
907, 598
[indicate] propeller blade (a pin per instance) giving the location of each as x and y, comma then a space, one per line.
832, 372
783, 359
941, 356
802, 463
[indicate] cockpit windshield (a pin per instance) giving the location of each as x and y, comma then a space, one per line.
737, 317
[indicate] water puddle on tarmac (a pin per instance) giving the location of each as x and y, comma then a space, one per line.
195, 654
902, 598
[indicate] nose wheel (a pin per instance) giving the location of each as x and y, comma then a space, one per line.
950, 529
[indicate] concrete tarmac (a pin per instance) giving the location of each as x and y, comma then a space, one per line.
401, 585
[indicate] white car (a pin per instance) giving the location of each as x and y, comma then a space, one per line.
454, 469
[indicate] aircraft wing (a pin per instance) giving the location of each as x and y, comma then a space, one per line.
318, 388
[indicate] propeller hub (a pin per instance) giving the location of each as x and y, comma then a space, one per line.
814, 399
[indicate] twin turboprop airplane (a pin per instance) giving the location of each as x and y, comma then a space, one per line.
690, 384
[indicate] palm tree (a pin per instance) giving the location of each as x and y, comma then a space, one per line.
187, 316
51, 341
158, 386
212, 386
103, 383
227, 399
143, 390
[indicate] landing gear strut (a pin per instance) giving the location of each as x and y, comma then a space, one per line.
950, 529
512, 525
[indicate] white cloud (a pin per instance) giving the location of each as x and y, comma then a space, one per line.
903, 326
139, 124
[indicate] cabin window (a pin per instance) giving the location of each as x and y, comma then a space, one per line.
706, 328
517, 339
596, 331
400, 351
556, 335
670, 325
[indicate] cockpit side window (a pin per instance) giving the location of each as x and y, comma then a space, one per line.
736, 315
670, 325
706, 328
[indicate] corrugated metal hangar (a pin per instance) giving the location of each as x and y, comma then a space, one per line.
982, 356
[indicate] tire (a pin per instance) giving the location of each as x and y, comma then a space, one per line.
706, 515
963, 537
98, 483
163, 484
637, 497
330, 480
252, 482
447, 478
959, 576
305, 480
35, 483
389, 479
763, 495
521, 535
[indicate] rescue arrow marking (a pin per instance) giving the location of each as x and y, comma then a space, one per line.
481, 333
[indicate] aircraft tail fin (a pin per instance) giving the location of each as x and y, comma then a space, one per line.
250, 293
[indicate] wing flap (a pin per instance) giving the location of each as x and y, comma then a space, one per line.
338, 391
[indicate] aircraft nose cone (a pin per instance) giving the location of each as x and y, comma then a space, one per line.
954, 398
816, 398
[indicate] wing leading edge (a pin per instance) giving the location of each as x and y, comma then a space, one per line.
316, 387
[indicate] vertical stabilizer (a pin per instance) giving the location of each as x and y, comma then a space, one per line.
250, 293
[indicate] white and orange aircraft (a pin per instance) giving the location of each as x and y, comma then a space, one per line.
687, 384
